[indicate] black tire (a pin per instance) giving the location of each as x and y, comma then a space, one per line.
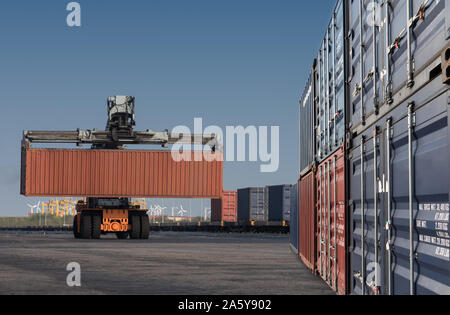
86, 227
75, 227
96, 226
145, 227
122, 235
135, 232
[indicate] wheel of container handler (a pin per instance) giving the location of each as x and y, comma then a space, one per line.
135, 232
96, 226
86, 226
75, 227
145, 227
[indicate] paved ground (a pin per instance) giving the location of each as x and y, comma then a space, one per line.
169, 263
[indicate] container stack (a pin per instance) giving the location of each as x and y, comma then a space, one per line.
373, 192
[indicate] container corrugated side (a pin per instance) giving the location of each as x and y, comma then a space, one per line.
385, 210
307, 221
293, 220
116, 173
332, 222
306, 124
225, 209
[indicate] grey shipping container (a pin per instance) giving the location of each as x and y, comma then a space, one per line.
330, 74
253, 205
279, 203
306, 119
293, 220
391, 61
399, 192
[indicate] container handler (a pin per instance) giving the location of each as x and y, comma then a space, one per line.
97, 216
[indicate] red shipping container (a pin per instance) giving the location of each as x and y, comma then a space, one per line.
307, 221
118, 173
331, 222
224, 209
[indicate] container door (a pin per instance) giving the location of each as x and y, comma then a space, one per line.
287, 202
259, 205
400, 202
381, 59
418, 222
366, 193
331, 222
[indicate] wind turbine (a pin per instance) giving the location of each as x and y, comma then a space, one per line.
160, 210
173, 211
182, 212
207, 213
34, 207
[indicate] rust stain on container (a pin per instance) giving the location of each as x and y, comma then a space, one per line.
224, 209
115, 173
307, 220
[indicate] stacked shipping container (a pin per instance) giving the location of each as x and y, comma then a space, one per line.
322, 219
381, 150
253, 205
225, 208
279, 203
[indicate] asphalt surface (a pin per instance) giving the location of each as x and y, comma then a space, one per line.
168, 263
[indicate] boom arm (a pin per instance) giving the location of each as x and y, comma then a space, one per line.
114, 139
119, 132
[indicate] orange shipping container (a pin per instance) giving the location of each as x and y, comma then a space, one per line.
331, 219
117, 173
224, 209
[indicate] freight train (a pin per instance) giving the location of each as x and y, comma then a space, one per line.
373, 193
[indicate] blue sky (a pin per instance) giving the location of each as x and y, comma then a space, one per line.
231, 62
